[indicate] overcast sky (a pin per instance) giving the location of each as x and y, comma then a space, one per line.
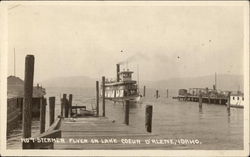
165, 41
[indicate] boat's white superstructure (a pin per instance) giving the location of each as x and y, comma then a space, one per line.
237, 100
124, 88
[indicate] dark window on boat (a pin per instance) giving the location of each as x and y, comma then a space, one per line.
233, 97
243, 98
238, 98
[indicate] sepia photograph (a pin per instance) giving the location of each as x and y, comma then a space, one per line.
101, 78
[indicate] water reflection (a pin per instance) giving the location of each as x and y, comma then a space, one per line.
228, 112
228, 115
200, 110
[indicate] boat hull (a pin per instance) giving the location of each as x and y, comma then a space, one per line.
237, 106
132, 99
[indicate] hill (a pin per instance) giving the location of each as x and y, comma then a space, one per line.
224, 82
15, 88
73, 81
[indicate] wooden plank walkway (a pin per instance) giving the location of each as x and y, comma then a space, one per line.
80, 133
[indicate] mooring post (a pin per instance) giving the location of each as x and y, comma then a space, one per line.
157, 94
28, 91
97, 98
66, 108
167, 93
61, 107
76, 110
144, 91
42, 114
228, 100
70, 105
148, 116
63, 104
51, 110
200, 100
103, 96
127, 112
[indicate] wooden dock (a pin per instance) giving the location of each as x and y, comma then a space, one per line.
101, 133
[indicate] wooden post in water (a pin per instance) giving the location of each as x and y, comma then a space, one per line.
76, 110
66, 108
70, 105
63, 104
103, 96
61, 107
157, 94
126, 112
200, 100
148, 118
51, 110
97, 98
42, 114
27, 102
228, 100
144, 91
209, 100
167, 93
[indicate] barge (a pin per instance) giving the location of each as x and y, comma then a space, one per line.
235, 99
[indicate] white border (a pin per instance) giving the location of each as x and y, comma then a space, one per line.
3, 72
3, 90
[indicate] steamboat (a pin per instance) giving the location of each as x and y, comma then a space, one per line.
123, 87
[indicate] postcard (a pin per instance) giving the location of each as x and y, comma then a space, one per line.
124, 78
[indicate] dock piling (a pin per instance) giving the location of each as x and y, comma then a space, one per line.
97, 98
148, 118
200, 100
28, 91
51, 110
144, 91
167, 93
70, 105
42, 114
127, 112
103, 96
228, 100
66, 108
63, 104
157, 94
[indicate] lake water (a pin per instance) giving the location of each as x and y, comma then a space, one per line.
213, 125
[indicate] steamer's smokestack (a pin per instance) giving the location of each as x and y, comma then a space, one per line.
117, 72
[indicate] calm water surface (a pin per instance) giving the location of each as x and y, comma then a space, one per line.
213, 125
